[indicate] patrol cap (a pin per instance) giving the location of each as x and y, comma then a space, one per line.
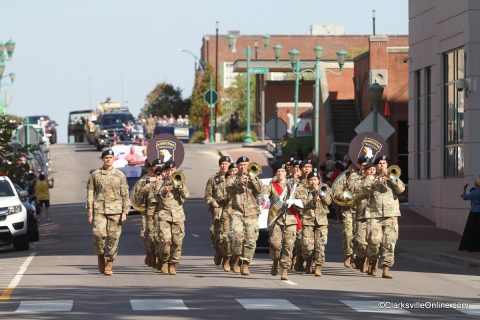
313, 174
242, 159
232, 166
156, 162
308, 161
378, 159
368, 165
224, 159
169, 165
362, 159
281, 166
108, 152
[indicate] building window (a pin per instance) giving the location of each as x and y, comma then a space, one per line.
418, 122
454, 69
428, 115
229, 77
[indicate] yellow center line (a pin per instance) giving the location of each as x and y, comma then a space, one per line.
7, 292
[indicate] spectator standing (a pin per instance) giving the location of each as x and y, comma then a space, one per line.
43, 196
471, 235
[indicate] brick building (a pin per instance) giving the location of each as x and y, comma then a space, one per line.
344, 102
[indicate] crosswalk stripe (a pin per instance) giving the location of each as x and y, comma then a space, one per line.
371, 306
267, 304
45, 306
157, 304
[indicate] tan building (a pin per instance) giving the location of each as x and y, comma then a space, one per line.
444, 107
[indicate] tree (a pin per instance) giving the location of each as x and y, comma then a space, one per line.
199, 107
165, 99
237, 98
8, 155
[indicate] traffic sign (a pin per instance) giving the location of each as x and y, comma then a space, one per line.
258, 70
210, 94
384, 129
276, 128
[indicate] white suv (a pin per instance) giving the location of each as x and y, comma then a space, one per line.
13, 216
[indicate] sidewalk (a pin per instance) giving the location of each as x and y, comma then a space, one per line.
418, 237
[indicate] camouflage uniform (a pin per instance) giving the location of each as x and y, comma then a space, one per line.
302, 183
384, 209
149, 217
215, 198
314, 224
171, 222
361, 219
244, 216
107, 199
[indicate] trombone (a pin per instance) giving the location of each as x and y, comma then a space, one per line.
254, 169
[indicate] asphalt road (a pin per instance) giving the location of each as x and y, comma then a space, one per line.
57, 278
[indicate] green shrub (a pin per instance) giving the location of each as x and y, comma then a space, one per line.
292, 146
240, 136
197, 137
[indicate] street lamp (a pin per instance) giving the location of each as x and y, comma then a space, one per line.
375, 93
248, 52
201, 64
294, 55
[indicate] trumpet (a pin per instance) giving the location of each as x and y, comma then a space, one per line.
177, 178
394, 172
324, 190
254, 169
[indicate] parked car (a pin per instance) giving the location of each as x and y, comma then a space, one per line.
50, 126
13, 216
32, 223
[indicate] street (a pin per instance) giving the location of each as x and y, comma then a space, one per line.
58, 277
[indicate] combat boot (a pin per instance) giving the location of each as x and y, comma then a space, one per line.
284, 274
236, 266
172, 269
245, 270
217, 258
348, 263
164, 268
299, 264
101, 263
226, 264
108, 268
308, 266
153, 261
373, 268
364, 265
386, 273
274, 269
318, 270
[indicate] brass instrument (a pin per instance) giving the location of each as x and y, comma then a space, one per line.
137, 199
254, 169
341, 195
394, 172
177, 178
323, 190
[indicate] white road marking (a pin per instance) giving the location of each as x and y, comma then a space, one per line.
267, 304
157, 304
372, 306
7, 292
195, 235
45, 306
290, 283
472, 310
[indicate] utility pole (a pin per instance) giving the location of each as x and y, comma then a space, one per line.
216, 71
373, 21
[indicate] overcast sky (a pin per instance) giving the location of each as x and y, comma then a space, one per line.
73, 53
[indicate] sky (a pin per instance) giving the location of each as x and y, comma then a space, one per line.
72, 54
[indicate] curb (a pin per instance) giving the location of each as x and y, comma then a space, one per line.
443, 257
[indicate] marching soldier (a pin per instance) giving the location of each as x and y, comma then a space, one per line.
146, 190
244, 190
171, 217
384, 208
316, 198
107, 207
215, 197
361, 219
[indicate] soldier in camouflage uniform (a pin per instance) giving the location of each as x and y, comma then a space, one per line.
384, 210
360, 241
348, 213
146, 190
215, 197
107, 207
171, 219
244, 191
316, 198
